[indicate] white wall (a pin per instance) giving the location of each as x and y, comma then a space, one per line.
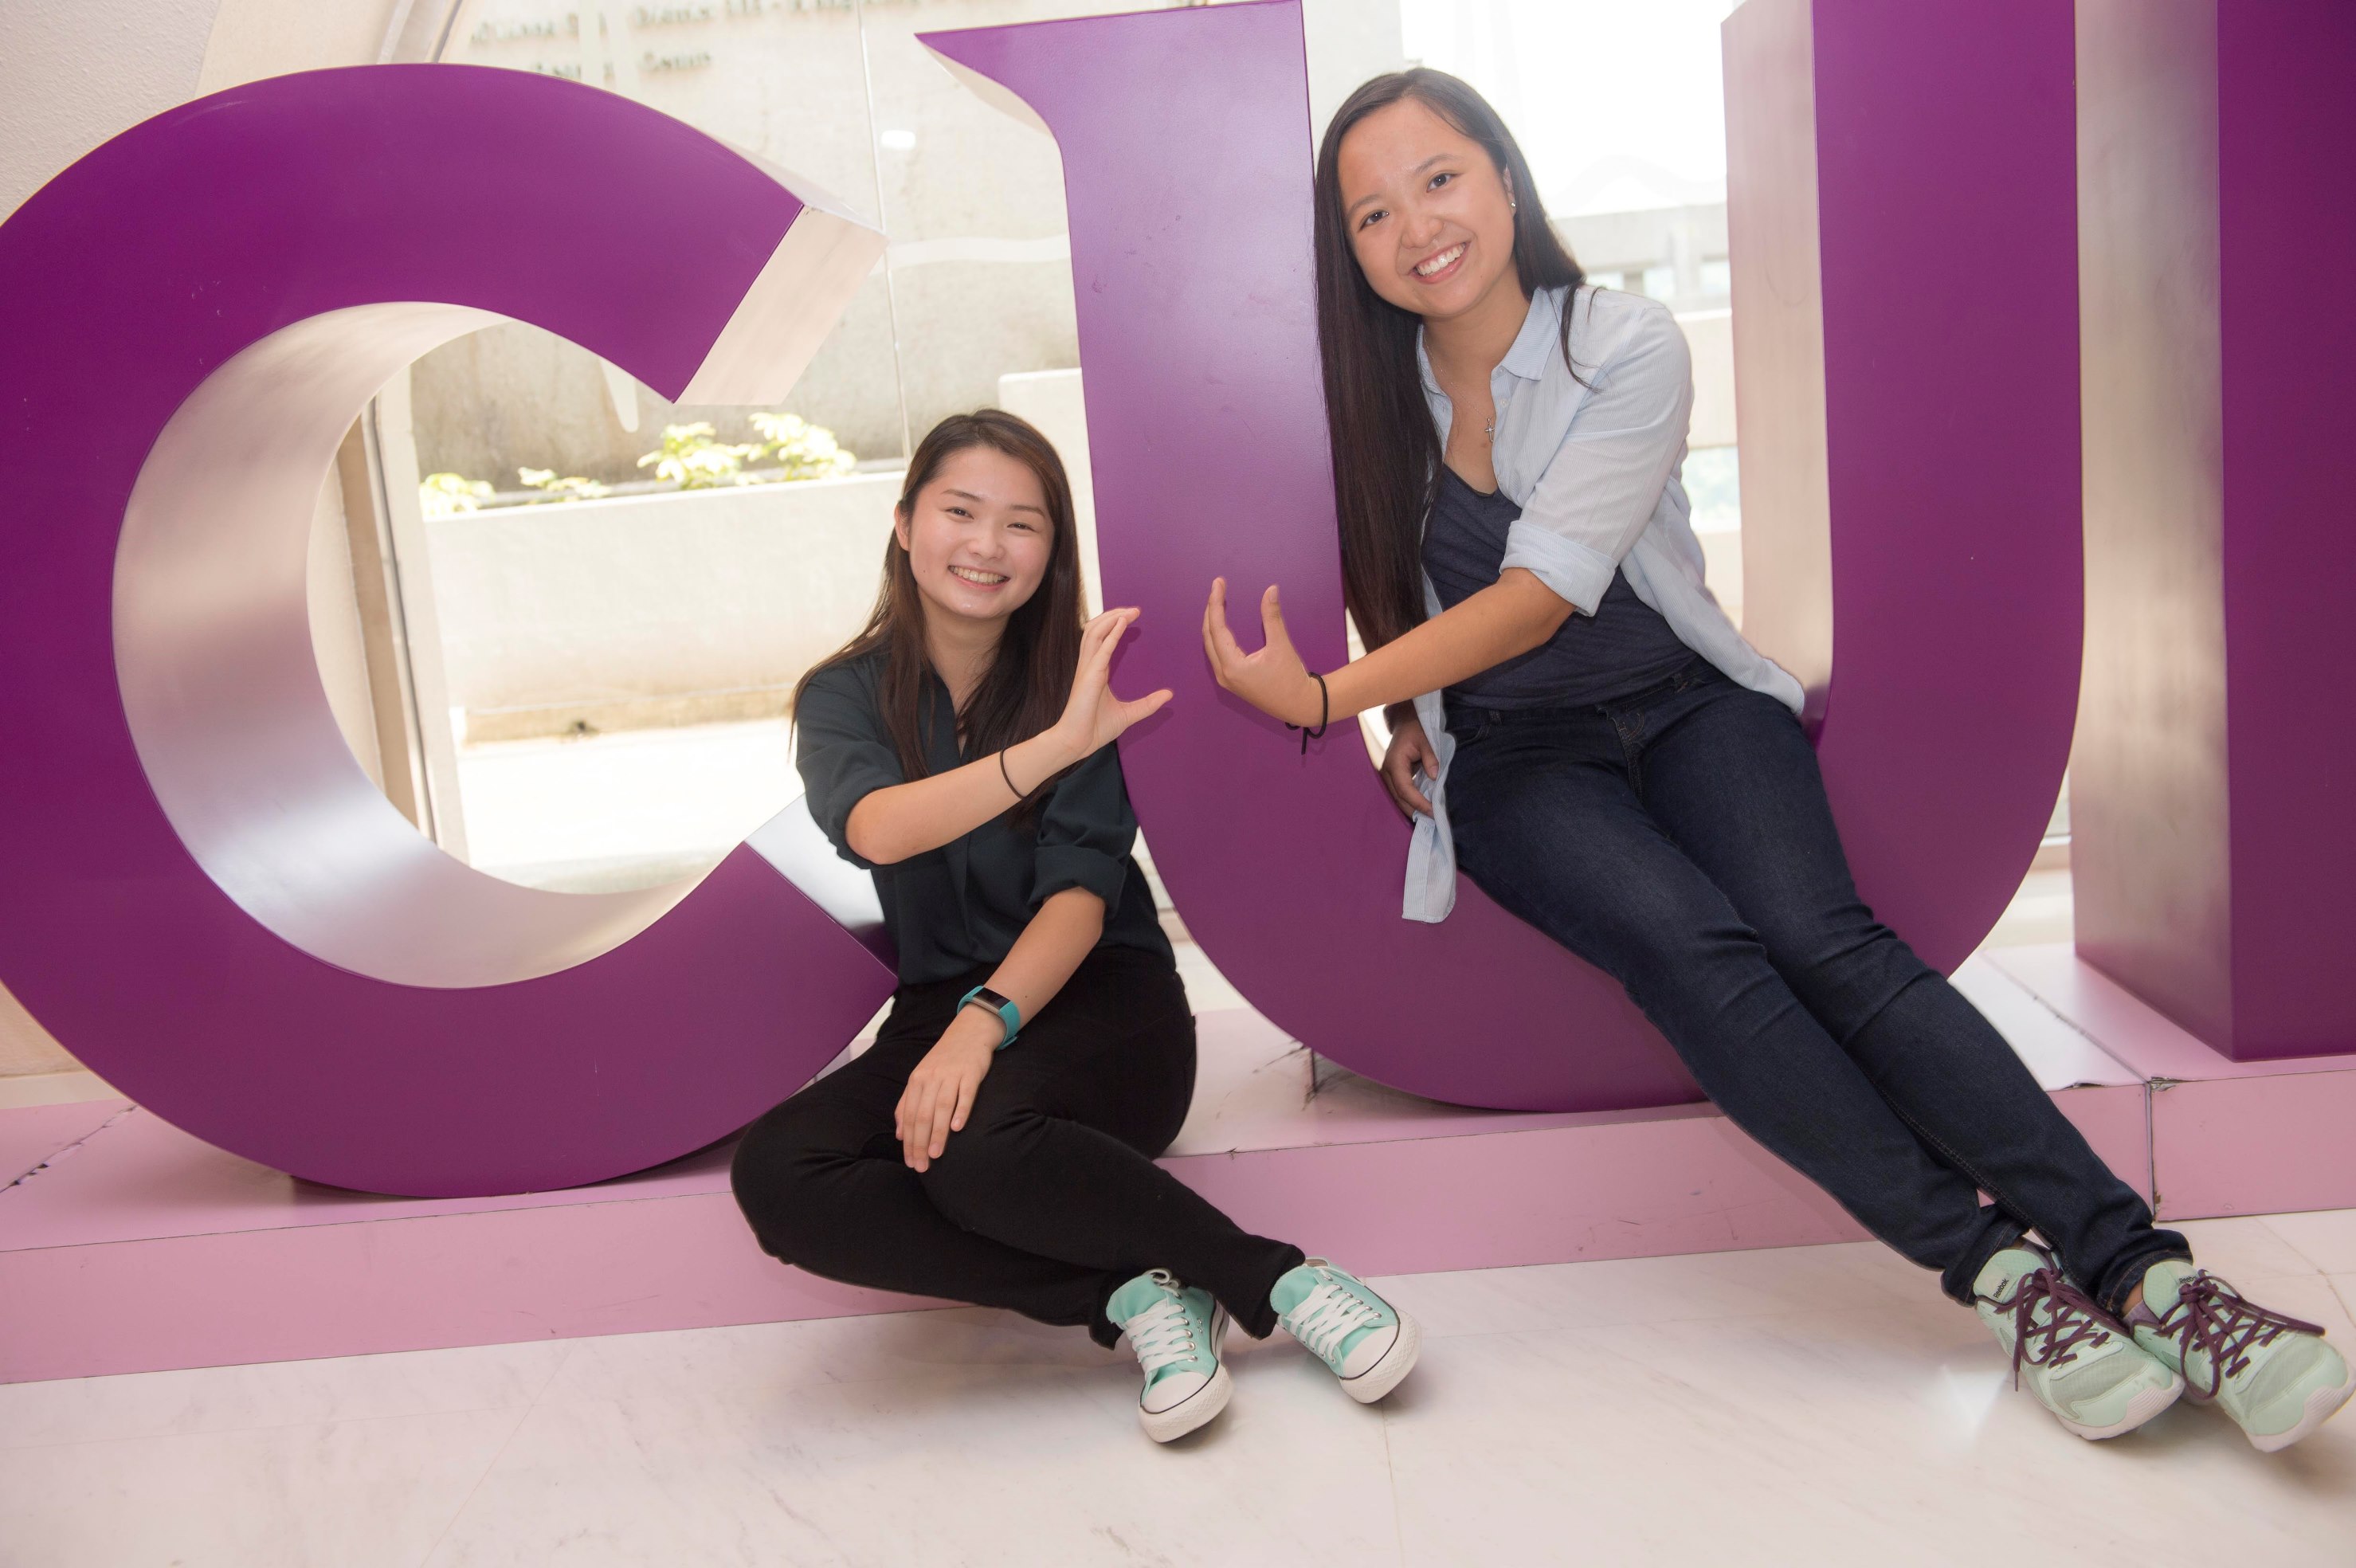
73, 75
254, 38
1349, 40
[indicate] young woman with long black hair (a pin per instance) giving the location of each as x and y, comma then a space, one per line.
1596, 744
996, 1144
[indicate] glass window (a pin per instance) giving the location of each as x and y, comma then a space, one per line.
1713, 480
1619, 109
617, 594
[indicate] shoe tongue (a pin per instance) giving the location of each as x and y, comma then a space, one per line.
2163, 1282
1136, 1296
2002, 1271
1293, 1288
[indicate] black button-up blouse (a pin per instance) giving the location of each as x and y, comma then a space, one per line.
959, 907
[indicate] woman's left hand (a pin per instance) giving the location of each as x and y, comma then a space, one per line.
940, 1090
1274, 680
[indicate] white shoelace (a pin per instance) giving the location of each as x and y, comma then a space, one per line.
1161, 1335
1330, 1313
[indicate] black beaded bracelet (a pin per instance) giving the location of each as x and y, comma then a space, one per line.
1325, 715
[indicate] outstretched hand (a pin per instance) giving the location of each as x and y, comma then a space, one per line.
1093, 717
1273, 680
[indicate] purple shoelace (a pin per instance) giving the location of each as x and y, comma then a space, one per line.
2211, 1315
2074, 1320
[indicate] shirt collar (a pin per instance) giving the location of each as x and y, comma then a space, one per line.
1527, 358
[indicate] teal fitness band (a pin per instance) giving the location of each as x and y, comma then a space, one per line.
1007, 1013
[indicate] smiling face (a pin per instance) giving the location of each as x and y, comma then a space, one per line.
1428, 215
978, 536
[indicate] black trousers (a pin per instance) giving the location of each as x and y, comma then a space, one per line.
1049, 1199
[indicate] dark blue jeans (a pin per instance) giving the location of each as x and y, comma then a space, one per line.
1681, 842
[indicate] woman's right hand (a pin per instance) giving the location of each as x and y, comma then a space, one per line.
1409, 750
1093, 717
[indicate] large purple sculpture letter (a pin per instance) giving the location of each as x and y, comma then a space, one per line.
212, 905
2213, 839
1909, 434
1186, 163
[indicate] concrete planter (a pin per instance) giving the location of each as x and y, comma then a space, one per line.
638, 611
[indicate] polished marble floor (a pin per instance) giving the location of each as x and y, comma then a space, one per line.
1812, 1405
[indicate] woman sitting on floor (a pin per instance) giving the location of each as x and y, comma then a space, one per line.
997, 1143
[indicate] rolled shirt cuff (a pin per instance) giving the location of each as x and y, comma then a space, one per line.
1062, 865
1577, 573
837, 830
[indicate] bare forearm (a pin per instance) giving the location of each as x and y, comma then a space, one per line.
890, 825
1051, 947
1503, 621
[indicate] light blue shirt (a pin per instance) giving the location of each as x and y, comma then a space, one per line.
1594, 469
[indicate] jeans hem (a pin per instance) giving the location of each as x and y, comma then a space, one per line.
1257, 1317
2126, 1271
1103, 1329
1999, 1232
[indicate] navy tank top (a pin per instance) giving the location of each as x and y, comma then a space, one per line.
1622, 649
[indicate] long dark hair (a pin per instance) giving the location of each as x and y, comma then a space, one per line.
1030, 677
1387, 450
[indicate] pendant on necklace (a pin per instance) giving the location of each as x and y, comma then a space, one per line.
1490, 430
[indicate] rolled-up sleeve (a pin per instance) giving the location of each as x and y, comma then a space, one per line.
842, 752
1599, 489
1085, 832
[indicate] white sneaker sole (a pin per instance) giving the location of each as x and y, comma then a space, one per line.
1200, 1407
2321, 1406
2145, 1406
1390, 1371
1195, 1409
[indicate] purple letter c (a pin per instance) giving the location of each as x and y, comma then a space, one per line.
212, 903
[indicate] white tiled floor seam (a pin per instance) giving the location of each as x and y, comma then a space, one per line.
492, 1464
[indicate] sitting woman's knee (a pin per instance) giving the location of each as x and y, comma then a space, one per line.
981, 1163
777, 1172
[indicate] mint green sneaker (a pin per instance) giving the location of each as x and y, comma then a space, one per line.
2272, 1374
1369, 1344
2078, 1360
1176, 1332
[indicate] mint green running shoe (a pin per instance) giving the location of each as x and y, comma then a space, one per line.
1369, 1344
2274, 1375
1176, 1332
2079, 1361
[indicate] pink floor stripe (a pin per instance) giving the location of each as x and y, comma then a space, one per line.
282, 1289
126, 1245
